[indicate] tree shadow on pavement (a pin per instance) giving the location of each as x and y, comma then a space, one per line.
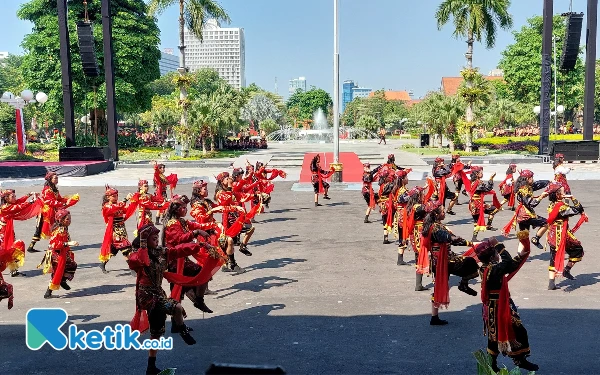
267, 241
276, 220
274, 263
323, 343
256, 285
284, 210
98, 290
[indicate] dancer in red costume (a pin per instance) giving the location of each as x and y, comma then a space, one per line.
560, 236
160, 183
318, 177
401, 197
387, 207
11, 208
457, 165
525, 215
437, 240
115, 214
233, 213
507, 187
477, 206
202, 211
150, 262
53, 201
502, 323
59, 258
178, 231
371, 197
415, 209
147, 203
441, 172
561, 172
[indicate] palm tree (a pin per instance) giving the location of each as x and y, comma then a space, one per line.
475, 20
193, 15
450, 111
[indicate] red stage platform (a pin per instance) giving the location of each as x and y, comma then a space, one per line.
352, 166
35, 169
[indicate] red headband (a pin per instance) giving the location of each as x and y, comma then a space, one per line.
148, 230
432, 206
61, 214
110, 191
402, 173
559, 156
415, 190
554, 187
200, 184
476, 168
222, 176
142, 183
439, 160
49, 176
526, 173
7, 192
486, 248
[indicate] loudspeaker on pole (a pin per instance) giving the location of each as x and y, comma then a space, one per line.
571, 41
87, 50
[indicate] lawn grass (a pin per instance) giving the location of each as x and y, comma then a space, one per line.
159, 153
434, 151
49, 152
553, 137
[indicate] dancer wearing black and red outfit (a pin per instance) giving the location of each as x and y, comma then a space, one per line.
502, 323
371, 197
437, 240
456, 178
415, 209
507, 187
387, 186
318, 177
401, 197
441, 172
560, 235
150, 262
477, 206
525, 215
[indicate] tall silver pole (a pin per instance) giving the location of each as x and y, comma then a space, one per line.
336, 86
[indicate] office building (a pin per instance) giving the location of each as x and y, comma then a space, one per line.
297, 84
360, 92
168, 62
223, 49
350, 91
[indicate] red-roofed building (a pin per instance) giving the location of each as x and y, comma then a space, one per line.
395, 95
450, 85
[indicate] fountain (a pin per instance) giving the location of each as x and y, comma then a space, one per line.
319, 133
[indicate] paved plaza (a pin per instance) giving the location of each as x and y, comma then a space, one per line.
322, 295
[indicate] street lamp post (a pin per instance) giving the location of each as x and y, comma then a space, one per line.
18, 103
337, 175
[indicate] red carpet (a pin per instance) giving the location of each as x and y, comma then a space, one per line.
352, 166
37, 169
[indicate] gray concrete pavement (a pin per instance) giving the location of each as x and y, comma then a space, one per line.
323, 295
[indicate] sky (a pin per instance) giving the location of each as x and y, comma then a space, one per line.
383, 44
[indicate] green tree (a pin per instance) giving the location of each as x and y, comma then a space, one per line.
521, 62
352, 112
259, 109
136, 55
165, 85
204, 81
474, 20
309, 101
368, 123
192, 14
269, 126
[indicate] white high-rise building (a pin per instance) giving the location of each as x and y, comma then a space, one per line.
223, 49
297, 83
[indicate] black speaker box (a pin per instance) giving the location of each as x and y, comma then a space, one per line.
571, 42
424, 140
84, 154
86, 49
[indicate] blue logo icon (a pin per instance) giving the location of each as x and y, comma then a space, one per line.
43, 326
